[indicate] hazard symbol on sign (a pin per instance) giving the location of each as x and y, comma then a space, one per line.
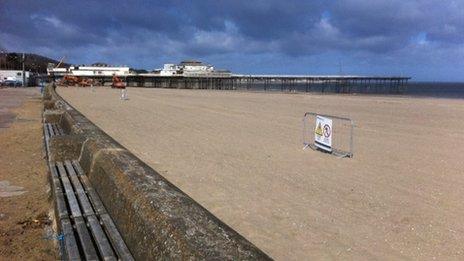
323, 133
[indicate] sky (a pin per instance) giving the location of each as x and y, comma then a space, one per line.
421, 39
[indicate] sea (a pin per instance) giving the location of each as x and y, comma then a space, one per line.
435, 89
451, 90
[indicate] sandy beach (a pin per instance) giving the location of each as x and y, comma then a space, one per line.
239, 154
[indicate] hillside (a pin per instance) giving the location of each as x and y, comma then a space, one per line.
33, 62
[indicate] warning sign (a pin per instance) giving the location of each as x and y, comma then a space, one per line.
323, 133
318, 130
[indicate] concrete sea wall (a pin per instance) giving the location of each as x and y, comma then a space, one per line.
155, 218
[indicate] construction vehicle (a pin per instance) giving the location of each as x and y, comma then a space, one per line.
70, 80
118, 83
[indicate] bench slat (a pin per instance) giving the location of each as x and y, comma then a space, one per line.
58, 192
46, 131
56, 129
73, 205
81, 195
99, 235
71, 250
50, 129
115, 238
94, 198
88, 248
78, 167
61, 206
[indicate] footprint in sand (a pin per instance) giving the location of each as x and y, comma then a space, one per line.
7, 190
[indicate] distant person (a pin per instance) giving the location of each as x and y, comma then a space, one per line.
124, 93
41, 85
119, 84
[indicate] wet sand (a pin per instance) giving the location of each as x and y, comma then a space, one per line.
240, 155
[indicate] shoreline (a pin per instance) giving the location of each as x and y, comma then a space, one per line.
407, 96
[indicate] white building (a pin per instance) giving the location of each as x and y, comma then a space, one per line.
89, 71
99, 71
195, 67
57, 71
169, 69
191, 68
13, 75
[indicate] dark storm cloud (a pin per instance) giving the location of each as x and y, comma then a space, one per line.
90, 21
153, 30
257, 19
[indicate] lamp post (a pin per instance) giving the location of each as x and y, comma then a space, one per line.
24, 70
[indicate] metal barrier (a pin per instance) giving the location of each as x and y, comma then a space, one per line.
341, 134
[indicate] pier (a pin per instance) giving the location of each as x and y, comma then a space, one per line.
289, 83
191, 74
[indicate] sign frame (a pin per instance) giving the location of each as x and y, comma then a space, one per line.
334, 150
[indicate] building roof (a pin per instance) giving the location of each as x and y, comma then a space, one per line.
191, 62
100, 64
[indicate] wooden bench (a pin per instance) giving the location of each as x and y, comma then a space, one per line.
88, 232
51, 130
